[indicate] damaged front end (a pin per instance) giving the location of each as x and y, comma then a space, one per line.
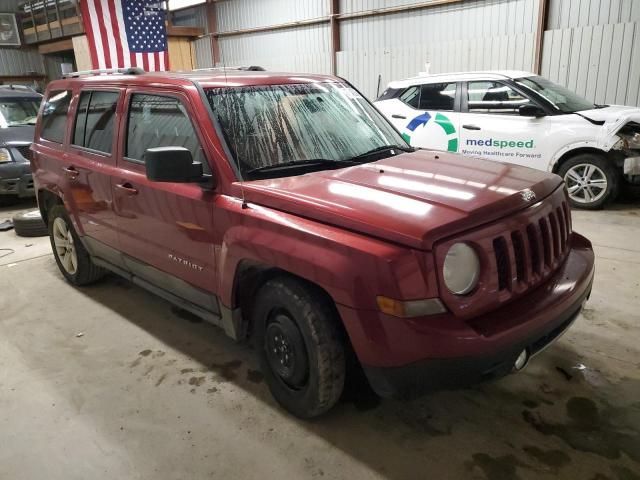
629, 147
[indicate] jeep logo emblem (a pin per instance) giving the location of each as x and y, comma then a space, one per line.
527, 195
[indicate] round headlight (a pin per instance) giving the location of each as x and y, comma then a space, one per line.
461, 269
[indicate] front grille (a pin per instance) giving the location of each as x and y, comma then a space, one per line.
25, 151
525, 255
518, 253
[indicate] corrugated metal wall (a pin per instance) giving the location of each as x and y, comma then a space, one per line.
475, 34
237, 14
471, 35
191, 17
593, 47
20, 61
300, 49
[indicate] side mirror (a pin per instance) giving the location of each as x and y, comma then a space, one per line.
172, 164
531, 110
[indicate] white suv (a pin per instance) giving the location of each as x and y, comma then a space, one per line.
522, 118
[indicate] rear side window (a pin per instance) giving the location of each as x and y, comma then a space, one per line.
494, 97
158, 121
54, 115
437, 96
411, 96
389, 93
94, 120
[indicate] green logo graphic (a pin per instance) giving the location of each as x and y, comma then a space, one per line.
424, 121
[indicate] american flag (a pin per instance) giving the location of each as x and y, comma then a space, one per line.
126, 33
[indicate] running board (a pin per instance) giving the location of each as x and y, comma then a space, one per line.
228, 321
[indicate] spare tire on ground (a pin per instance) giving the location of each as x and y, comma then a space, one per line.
30, 224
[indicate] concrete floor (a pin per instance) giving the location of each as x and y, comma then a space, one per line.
110, 382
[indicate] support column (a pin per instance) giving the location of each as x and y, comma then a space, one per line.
539, 39
212, 26
334, 11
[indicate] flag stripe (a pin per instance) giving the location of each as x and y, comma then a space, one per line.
111, 40
117, 39
100, 15
97, 39
122, 35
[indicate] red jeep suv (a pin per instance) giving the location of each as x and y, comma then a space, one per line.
285, 208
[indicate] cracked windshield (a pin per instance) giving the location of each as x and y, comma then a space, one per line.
18, 111
281, 130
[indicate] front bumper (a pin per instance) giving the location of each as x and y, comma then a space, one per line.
16, 179
409, 357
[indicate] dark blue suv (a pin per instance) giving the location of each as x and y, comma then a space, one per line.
18, 111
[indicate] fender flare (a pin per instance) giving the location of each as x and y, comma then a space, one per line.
576, 147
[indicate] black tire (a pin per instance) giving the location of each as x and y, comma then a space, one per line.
606, 170
30, 224
86, 271
312, 382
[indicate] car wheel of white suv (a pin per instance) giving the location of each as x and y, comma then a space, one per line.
591, 181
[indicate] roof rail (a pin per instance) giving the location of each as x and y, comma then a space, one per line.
252, 68
122, 71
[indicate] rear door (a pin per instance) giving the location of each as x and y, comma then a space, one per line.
165, 229
427, 115
91, 166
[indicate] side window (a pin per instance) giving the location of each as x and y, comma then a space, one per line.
81, 119
94, 120
54, 115
157, 121
437, 96
100, 117
411, 96
494, 97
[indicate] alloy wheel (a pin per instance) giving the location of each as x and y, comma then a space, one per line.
65, 249
586, 183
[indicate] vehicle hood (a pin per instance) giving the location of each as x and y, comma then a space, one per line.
18, 134
613, 116
413, 199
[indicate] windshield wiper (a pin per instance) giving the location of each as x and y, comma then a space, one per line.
380, 150
302, 164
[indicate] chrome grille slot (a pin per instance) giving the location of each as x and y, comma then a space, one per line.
546, 241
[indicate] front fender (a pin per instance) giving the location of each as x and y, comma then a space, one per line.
351, 267
591, 144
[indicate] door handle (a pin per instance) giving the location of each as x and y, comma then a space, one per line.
471, 127
71, 172
127, 188
399, 116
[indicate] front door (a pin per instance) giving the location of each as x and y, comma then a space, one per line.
165, 229
426, 115
492, 127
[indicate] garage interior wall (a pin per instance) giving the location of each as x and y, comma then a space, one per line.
470, 35
20, 61
474, 34
593, 48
